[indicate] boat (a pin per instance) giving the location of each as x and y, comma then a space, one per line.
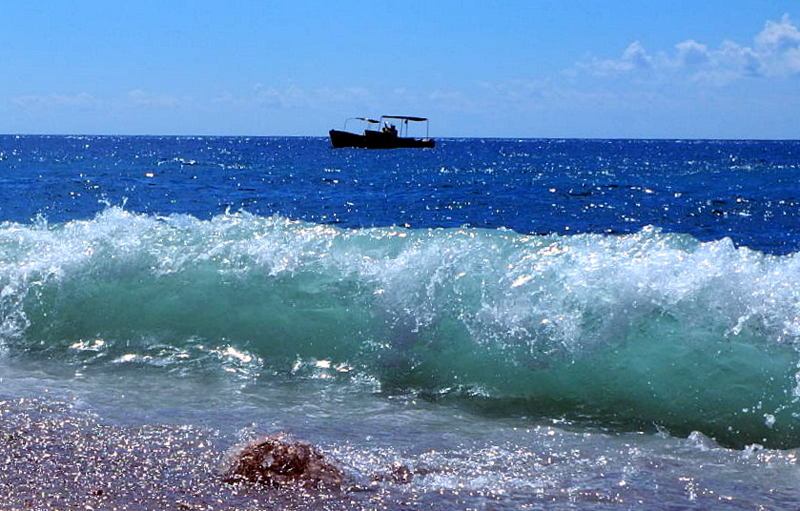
387, 137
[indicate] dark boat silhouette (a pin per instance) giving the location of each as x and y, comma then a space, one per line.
385, 138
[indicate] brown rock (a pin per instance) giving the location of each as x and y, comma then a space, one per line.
277, 460
398, 473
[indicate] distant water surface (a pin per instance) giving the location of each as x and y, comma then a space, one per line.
745, 190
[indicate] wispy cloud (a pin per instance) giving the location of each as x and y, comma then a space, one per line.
39, 101
774, 52
634, 58
294, 96
142, 98
136, 98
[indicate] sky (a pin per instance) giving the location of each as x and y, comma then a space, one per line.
483, 68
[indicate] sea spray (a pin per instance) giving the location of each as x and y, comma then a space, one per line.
640, 329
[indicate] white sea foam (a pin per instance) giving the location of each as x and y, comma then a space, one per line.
584, 319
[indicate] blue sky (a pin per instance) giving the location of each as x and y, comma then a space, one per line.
709, 69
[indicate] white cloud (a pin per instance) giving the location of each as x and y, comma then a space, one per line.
775, 52
135, 98
139, 97
450, 99
30, 101
779, 46
779, 35
691, 53
293, 96
635, 57
287, 97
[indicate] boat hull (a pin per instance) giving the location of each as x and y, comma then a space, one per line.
377, 140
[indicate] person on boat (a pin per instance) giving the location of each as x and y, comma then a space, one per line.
389, 129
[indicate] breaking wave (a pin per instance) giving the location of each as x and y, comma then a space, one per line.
644, 329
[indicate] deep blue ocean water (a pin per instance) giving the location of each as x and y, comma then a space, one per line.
745, 190
521, 323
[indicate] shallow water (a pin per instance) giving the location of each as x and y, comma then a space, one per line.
630, 341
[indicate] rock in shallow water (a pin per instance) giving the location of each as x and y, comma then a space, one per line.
278, 460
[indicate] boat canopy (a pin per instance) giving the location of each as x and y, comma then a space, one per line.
364, 119
405, 117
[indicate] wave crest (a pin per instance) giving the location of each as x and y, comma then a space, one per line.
643, 328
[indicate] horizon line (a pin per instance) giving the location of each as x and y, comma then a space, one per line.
154, 135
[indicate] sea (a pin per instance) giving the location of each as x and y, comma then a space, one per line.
508, 324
